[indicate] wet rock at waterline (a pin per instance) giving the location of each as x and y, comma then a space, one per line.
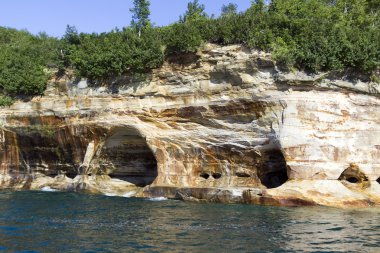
225, 126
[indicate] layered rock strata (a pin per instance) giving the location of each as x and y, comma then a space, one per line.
223, 125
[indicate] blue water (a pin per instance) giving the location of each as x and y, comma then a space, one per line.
70, 222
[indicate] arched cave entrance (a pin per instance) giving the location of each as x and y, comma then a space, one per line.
273, 170
127, 156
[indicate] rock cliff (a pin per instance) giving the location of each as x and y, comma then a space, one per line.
224, 125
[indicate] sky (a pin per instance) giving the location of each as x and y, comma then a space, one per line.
52, 16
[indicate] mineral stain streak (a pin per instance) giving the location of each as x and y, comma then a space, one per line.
225, 125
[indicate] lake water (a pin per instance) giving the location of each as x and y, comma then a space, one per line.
71, 222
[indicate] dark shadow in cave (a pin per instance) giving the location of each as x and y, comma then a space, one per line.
378, 180
353, 180
242, 174
51, 174
127, 156
41, 151
70, 175
204, 175
273, 171
216, 175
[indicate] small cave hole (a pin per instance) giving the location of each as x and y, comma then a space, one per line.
71, 175
354, 175
352, 180
273, 171
242, 174
378, 180
216, 175
204, 175
52, 175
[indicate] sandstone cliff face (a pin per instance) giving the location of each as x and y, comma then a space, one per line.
225, 125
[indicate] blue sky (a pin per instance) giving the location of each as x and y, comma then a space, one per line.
52, 16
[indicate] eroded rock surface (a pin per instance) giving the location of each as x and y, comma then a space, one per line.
225, 125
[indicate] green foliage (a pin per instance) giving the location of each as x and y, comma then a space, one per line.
283, 52
6, 101
21, 75
141, 12
23, 60
181, 38
229, 9
115, 53
314, 35
194, 12
71, 36
98, 56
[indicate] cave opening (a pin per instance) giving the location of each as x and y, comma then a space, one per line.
70, 175
51, 174
204, 175
353, 175
378, 180
353, 180
243, 174
273, 171
126, 156
216, 175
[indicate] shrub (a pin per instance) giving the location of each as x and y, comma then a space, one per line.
115, 53
314, 35
181, 38
23, 58
23, 77
6, 101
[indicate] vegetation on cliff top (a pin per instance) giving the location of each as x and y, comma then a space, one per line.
313, 35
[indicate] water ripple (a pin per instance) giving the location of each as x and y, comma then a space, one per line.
69, 222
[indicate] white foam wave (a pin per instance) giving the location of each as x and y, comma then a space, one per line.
48, 189
158, 199
128, 194
237, 192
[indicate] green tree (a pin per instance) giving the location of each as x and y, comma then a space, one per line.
258, 3
141, 12
70, 40
71, 35
229, 9
194, 11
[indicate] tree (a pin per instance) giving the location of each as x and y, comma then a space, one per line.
194, 11
259, 4
229, 9
71, 35
141, 12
